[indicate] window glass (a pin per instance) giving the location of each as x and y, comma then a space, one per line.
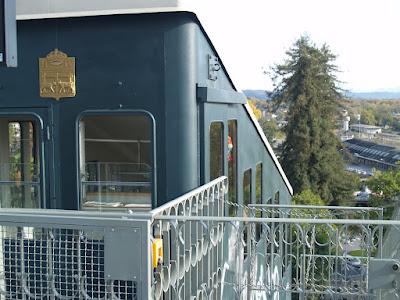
19, 164
247, 187
259, 190
276, 198
232, 164
246, 210
216, 150
246, 191
116, 162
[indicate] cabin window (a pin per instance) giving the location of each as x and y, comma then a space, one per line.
247, 188
216, 150
232, 164
19, 164
259, 192
276, 198
116, 162
246, 210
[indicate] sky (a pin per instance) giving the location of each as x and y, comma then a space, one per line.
253, 35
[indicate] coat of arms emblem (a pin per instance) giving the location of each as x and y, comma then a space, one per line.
57, 75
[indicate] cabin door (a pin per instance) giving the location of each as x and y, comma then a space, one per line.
24, 157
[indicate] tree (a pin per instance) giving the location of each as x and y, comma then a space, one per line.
269, 127
307, 84
368, 117
307, 197
256, 111
386, 189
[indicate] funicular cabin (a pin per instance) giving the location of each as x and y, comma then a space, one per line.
112, 113
131, 168
122, 109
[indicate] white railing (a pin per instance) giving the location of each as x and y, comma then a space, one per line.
191, 267
190, 248
272, 251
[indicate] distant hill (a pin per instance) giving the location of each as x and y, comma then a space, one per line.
374, 95
258, 94
262, 95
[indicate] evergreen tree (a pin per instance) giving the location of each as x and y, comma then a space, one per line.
307, 84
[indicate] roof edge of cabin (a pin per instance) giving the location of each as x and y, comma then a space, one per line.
181, 7
268, 146
94, 13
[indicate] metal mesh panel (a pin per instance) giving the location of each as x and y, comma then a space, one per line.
51, 263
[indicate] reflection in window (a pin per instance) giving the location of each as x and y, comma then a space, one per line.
232, 165
116, 160
259, 190
19, 164
216, 150
247, 187
276, 198
246, 211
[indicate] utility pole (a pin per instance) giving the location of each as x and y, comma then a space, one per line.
8, 33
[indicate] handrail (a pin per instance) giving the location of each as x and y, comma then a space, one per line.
186, 196
120, 183
19, 182
279, 220
316, 207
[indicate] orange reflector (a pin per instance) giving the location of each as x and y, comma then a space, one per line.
157, 252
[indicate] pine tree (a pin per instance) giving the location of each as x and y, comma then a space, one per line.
307, 85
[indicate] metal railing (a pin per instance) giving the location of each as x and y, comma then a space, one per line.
191, 267
271, 251
190, 249
72, 255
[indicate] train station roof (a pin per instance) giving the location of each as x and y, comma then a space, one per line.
368, 150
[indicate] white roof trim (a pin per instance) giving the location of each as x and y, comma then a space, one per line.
44, 9
90, 13
268, 146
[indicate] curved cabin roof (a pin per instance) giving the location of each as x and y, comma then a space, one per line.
41, 9
48, 9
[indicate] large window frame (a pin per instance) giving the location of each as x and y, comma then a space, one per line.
259, 197
38, 127
247, 190
220, 160
232, 162
259, 183
99, 113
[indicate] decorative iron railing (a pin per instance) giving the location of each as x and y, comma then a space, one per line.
191, 249
191, 267
274, 252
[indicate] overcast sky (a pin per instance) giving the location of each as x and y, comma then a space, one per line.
252, 35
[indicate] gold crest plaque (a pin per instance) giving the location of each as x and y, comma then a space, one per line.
57, 75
